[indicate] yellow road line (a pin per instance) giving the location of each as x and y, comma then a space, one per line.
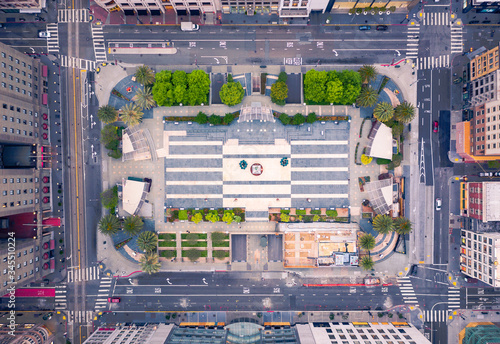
76, 171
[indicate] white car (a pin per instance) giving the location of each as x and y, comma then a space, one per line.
438, 204
44, 34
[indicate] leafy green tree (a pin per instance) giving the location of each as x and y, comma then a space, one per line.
368, 73
402, 226
133, 225
332, 213
311, 118
109, 137
237, 218
215, 120
179, 93
144, 75
144, 98
109, 225
228, 118
367, 242
285, 119
115, 153
334, 91
219, 254
192, 239
201, 118
198, 87
179, 78
279, 92
282, 76
298, 119
147, 241
315, 86
351, 93
396, 161
193, 254
397, 129
149, 263
383, 112
163, 93
229, 78
366, 263
367, 97
131, 114
228, 217
218, 236
231, 93
197, 217
169, 254
404, 112
284, 217
107, 114
383, 224
109, 198
212, 217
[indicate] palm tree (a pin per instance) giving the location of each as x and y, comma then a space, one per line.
367, 97
149, 263
131, 114
383, 112
147, 241
367, 73
366, 263
383, 224
109, 224
404, 112
367, 242
144, 98
402, 225
133, 225
107, 114
144, 75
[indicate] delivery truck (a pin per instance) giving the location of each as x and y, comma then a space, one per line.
189, 26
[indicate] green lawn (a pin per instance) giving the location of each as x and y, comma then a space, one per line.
220, 244
166, 252
203, 253
198, 244
167, 243
202, 236
166, 236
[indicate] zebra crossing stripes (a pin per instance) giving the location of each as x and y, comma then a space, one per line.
73, 16
53, 40
103, 293
453, 297
412, 41
436, 18
80, 317
406, 289
76, 62
457, 44
99, 46
60, 299
431, 62
436, 316
88, 274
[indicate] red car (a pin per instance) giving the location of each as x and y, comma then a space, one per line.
113, 299
435, 126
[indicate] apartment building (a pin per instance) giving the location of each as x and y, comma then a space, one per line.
480, 201
26, 333
25, 161
479, 254
485, 88
22, 6
158, 7
484, 63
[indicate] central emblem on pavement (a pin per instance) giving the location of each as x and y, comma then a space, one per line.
256, 169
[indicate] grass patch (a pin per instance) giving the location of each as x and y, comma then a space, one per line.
220, 244
168, 254
202, 252
167, 243
201, 236
166, 236
198, 244
220, 254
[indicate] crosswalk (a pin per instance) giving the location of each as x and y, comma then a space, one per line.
457, 43
435, 316
431, 62
453, 297
103, 293
99, 46
60, 299
407, 291
88, 274
76, 62
80, 317
73, 16
53, 40
412, 41
436, 18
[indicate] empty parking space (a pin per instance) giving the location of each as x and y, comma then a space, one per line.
239, 247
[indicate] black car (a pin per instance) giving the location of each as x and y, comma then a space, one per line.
382, 27
413, 270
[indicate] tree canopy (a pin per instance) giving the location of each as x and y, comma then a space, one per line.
107, 114
109, 198
231, 93
383, 112
279, 92
332, 87
173, 89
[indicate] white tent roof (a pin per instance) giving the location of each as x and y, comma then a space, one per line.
381, 146
132, 195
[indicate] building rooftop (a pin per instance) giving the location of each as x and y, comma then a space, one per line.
491, 201
380, 141
134, 194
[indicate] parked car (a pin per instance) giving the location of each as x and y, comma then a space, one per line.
486, 174
44, 34
435, 126
47, 316
497, 174
382, 27
113, 299
365, 27
413, 270
438, 204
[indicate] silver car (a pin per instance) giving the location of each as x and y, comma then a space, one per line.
438, 204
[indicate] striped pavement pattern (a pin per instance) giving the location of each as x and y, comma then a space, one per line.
80, 317
103, 293
435, 316
412, 41
407, 291
88, 274
60, 299
453, 297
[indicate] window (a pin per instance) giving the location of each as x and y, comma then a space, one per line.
36, 259
4, 193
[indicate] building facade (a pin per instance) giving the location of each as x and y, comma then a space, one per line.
479, 254
484, 63
480, 201
25, 165
21, 6
24, 334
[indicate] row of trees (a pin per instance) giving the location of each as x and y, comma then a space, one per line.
110, 225
337, 87
110, 138
180, 87
298, 118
